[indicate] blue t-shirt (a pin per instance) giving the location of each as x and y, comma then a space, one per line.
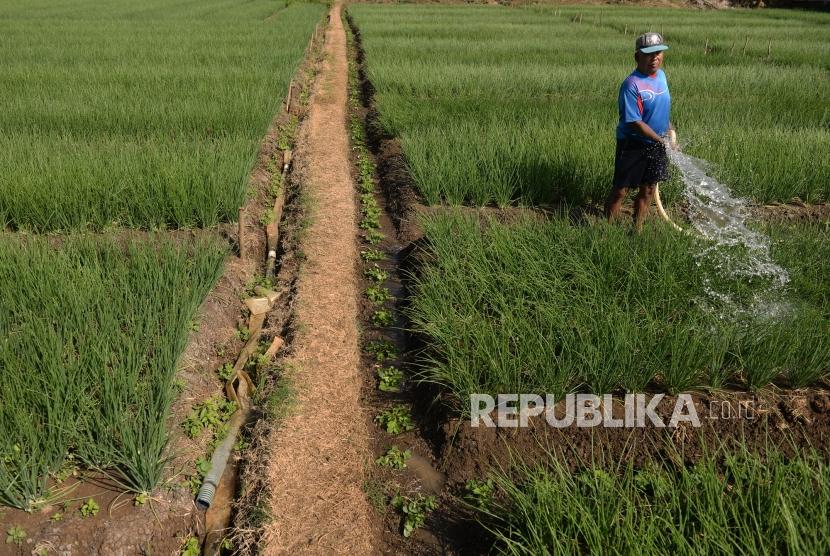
644, 97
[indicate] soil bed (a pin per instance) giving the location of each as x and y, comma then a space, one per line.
792, 421
169, 517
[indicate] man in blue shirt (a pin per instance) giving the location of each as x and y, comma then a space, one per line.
644, 105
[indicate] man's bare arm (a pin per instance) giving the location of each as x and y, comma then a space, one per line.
645, 130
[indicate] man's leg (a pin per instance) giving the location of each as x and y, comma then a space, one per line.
641, 203
614, 202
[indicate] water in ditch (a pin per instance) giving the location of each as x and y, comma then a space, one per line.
745, 280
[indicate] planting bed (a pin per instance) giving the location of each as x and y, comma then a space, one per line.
489, 105
116, 345
143, 115
92, 332
547, 307
497, 105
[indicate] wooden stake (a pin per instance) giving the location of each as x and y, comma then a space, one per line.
769, 48
706, 47
626, 29
288, 97
272, 350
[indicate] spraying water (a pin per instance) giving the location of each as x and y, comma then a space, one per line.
733, 249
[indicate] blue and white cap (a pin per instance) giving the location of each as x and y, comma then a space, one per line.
650, 42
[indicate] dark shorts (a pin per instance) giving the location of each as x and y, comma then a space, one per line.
638, 163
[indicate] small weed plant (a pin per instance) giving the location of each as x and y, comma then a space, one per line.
414, 510
396, 419
394, 458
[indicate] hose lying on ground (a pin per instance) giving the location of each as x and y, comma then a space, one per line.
672, 145
661, 210
238, 388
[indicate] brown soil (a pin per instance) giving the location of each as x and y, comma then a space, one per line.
318, 457
120, 528
787, 420
792, 212
420, 474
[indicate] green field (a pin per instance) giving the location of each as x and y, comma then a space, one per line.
143, 114
748, 505
549, 308
91, 335
505, 105
517, 106
119, 115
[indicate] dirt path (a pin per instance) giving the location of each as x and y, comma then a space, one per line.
316, 476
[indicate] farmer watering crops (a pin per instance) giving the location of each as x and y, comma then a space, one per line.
644, 104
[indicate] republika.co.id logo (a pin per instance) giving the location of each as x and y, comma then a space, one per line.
588, 410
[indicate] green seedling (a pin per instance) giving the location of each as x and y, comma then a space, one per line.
219, 434
90, 508
371, 220
240, 445
225, 372
371, 255
378, 294
285, 137
479, 493
367, 185
252, 283
258, 361
414, 510
194, 481
394, 458
381, 350
267, 217
69, 468
382, 317
373, 237
276, 183
243, 334
395, 420
15, 535
60, 514
376, 273
367, 200
178, 385
190, 547
208, 414
389, 379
